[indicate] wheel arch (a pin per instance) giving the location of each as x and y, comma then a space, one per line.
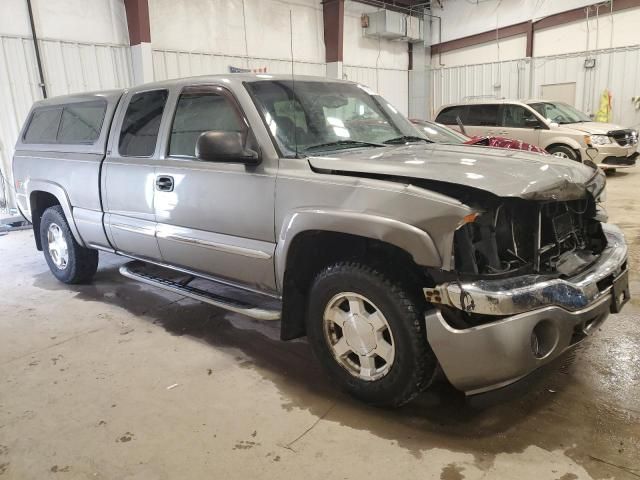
44, 194
311, 241
566, 143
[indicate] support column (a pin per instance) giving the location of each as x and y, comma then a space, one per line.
140, 40
420, 73
333, 18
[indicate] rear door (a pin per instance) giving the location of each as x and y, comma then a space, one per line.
482, 120
214, 217
519, 123
128, 175
449, 116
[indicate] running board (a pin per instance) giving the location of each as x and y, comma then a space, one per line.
211, 298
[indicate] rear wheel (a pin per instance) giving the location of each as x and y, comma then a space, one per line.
367, 330
562, 151
69, 261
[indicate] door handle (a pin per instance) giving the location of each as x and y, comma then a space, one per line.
164, 183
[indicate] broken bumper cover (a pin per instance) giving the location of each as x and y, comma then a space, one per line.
511, 296
544, 317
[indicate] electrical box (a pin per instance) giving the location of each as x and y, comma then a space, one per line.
386, 24
393, 26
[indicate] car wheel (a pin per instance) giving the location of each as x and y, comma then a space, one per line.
562, 151
67, 259
368, 332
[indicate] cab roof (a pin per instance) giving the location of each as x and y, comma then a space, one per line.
228, 78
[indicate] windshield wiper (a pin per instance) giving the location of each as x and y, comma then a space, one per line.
343, 143
406, 139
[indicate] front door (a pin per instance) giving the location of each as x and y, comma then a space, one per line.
128, 175
214, 217
519, 123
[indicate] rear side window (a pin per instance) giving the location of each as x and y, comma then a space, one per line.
449, 115
81, 123
141, 124
197, 113
483, 115
43, 127
72, 124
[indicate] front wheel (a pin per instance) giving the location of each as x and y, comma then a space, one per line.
69, 261
367, 330
562, 151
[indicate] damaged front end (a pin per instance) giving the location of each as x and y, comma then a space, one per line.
531, 278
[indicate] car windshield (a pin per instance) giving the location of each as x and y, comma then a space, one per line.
439, 133
310, 117
559, 112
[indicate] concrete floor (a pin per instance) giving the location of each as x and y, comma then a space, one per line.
118, 380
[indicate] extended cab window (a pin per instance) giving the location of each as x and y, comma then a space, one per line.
449, 115
71, 124
81, 123
483, 115
43, 127
141, 124
197, 113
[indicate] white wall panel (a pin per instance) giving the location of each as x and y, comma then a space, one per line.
254, 28
506, 49
573, 37
392, 84
461, 18
174, 64
88, 21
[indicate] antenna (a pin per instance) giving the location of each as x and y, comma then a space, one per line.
293, 84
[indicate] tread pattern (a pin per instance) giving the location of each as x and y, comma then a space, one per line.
422, 360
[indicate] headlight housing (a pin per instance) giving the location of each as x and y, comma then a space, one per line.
600, 139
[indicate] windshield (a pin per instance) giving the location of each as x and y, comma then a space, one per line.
439, 133
559, 112
327, 116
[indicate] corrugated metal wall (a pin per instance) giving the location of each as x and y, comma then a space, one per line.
174, 64
392, 84
491, 80
615, 69
69, 67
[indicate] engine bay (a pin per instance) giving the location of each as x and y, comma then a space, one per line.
522, 236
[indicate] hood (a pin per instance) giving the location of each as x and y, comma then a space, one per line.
593, 128
502, 172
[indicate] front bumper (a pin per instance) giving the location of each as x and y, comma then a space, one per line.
611, 155
559, 312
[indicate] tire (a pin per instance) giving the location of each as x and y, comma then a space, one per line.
398, 376
78, 264
563, 151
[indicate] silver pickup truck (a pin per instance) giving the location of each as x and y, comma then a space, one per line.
316, 203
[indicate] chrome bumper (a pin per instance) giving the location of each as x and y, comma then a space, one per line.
554, 314
511, 296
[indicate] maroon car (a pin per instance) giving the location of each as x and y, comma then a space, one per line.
440, 134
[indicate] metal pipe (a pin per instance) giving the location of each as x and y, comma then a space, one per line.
538, 242
37, 49
439, 36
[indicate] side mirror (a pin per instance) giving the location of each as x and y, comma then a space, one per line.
215, 146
